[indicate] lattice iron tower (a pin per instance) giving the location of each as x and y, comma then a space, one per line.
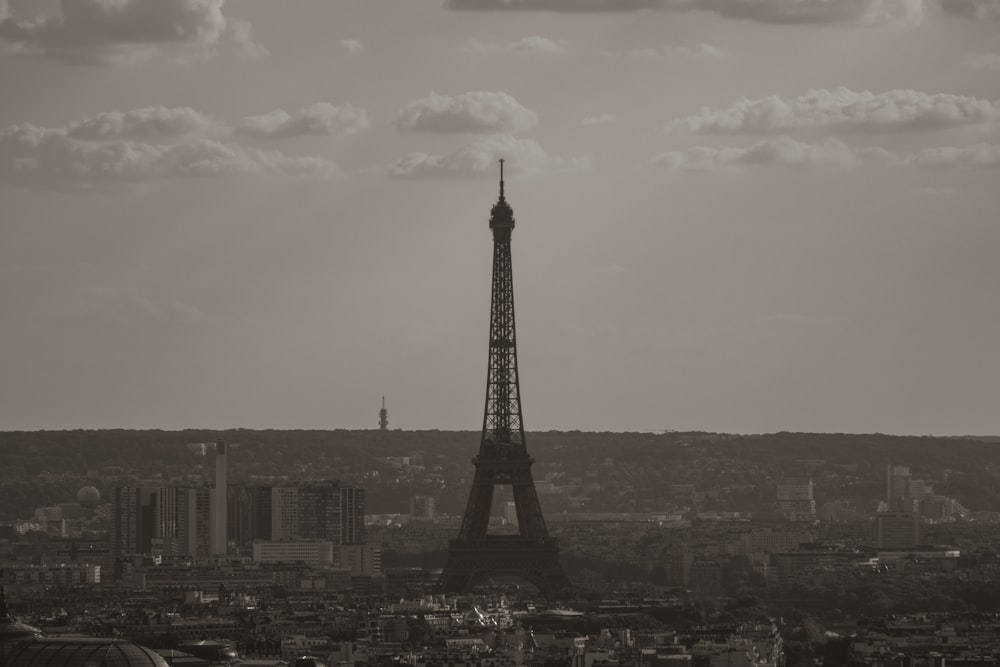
383, 417
503, 457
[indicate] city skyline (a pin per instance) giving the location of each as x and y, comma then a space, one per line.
736, 217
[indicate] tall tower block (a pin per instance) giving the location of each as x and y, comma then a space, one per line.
383, 417
503, 456
219, 502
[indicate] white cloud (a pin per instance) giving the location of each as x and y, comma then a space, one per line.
702, 50
98, 30
698, 51
353, 46
239, 34
474, 112
319, 119
783, 151
978, 155
206, 157
602, 119
831, 153
536, 44
842, 109
983, 60
145, 123
479, 157
528, 45
58, 158
862, 12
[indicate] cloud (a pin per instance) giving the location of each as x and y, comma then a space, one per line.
857, 12
536, 44
522, 156
698, 51
983, 60
526, 45
100, 30
473, 112
353, 46
320, 119
863, 12
842, 109
702, 50
145, 123
116, 307
602, 119
783, 151
832, 153
160, 123
645, 52
58, 158
931, 191
978, 155
555, 5
980, 9
215, 158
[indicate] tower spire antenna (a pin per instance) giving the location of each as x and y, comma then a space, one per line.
501, 177
383, 416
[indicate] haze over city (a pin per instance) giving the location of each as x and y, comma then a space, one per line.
747, 216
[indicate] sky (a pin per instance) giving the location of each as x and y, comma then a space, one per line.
732, 215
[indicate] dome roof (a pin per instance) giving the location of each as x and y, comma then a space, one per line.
88, 496
77, 651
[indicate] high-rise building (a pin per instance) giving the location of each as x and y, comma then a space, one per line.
126, 521
240, 522
363, 560
249, 515
165, 511
903, 492
773, 541
220, 499
795, 499
132, 525
284, 513
352, 516
423, 507
319, 511
897, 481
318, 553
897, 530
169, 504
198, 513
186, 521
181, 520
177, 520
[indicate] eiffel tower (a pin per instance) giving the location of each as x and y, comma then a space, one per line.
503, 457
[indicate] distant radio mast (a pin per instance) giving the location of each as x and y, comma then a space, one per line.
383, 417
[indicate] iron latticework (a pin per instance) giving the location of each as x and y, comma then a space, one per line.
503, 457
